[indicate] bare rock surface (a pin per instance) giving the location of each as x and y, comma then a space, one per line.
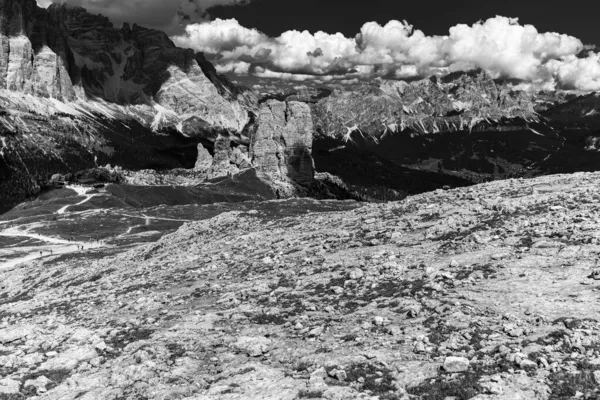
485, 292
283, 142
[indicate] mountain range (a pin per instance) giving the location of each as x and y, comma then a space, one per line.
77, 93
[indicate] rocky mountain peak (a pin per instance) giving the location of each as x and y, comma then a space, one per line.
66, 53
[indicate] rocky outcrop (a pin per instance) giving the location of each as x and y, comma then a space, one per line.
204, 160
222, 164
282, 144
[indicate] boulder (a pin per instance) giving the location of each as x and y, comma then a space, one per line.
253, 346
9, 386
456, 364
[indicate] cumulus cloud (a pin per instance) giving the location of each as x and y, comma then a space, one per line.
235, 67
500, 45
168, 15
578, 73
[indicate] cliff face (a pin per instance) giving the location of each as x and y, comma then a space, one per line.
282, 144
33, 56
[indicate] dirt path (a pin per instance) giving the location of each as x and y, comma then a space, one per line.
13, 256
81, 191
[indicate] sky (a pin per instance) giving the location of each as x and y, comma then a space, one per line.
541, 44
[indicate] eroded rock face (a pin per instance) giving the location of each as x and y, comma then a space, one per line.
282, 144
66, 53
31, 56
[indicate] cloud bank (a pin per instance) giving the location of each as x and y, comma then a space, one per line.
168, 15
500, 45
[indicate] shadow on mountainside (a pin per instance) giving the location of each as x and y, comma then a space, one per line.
476, 157
374, 177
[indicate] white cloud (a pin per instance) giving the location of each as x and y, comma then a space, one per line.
578, 73
505, 48
221, 36
238, 68
499, 45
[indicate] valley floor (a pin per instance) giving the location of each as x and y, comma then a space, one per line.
486, 292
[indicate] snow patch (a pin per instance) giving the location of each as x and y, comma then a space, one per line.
4, 146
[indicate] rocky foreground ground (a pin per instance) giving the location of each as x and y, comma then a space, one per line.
487, 292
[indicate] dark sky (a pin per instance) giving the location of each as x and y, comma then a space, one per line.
579, 18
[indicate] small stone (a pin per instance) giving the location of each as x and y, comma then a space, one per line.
39, 384
456, 364
9, 386
253, 346
595, 274
527, 364
337, 290
394, 330
419, 347
414, 311
316, 381
356, 273
597, 377
341, 375
316, 331
378, 321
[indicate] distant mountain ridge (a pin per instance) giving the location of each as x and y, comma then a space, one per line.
459, 101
